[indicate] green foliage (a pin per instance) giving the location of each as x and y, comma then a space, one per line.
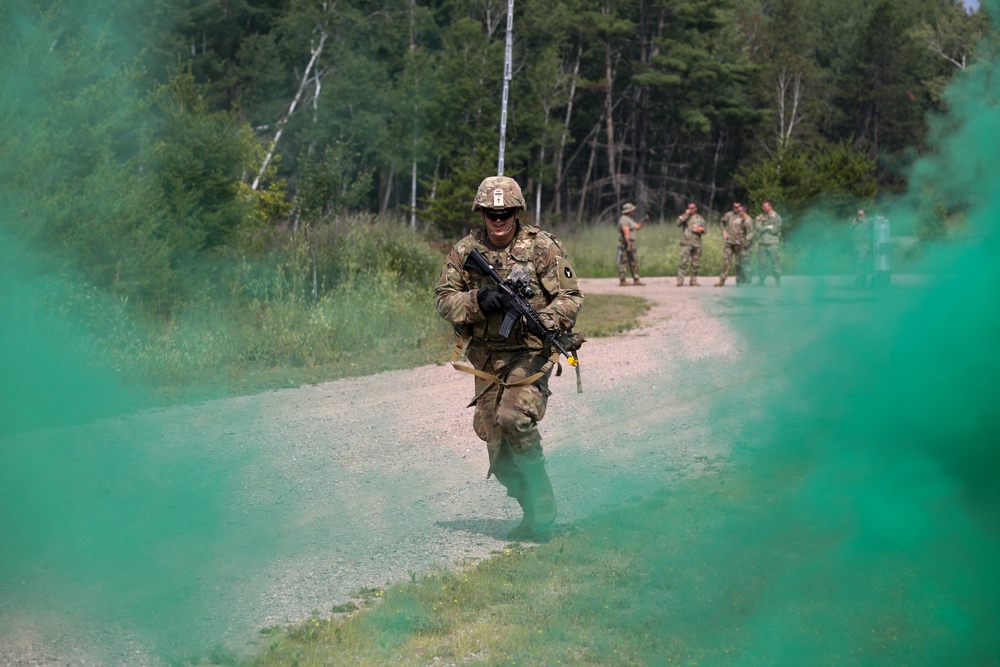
450, 209
200, 159
839, 176
329, 184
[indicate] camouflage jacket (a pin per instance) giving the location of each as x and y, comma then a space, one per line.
739, 228
687, 223
769, 236
626, 221
534, 254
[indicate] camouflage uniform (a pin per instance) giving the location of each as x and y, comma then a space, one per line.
628, 258
738, 230
769, 246
690, 246
507, 417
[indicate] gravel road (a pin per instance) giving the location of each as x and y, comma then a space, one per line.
381, 478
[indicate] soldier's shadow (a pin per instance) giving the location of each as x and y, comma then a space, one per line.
495, 528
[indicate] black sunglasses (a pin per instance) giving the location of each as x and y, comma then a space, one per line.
499, 215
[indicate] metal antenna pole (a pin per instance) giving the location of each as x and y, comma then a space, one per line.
507, 56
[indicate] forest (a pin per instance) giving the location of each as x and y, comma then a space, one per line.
232, 155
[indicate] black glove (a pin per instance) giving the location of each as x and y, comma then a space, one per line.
492, 300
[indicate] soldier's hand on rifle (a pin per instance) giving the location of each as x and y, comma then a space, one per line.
492, 300
548, 321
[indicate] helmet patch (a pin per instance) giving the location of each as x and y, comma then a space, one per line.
498, 198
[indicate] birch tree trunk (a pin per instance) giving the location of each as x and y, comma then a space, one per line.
303, 84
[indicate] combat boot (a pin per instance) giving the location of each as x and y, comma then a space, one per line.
720, 283
680, 282
622, 283
537, 501
638, 283
694, 282
526, 529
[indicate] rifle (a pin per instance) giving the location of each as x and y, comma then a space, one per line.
518, 292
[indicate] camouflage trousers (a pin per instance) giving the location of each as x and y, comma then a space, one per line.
864, 266
690, 259
507, 419
769, 257
628, 263
741, 255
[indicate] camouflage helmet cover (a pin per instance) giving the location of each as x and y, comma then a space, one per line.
628, 207
498, 192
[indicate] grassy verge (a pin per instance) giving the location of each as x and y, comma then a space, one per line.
594, 595
609, 314
258, 325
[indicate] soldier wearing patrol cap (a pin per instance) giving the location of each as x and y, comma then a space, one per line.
512, 373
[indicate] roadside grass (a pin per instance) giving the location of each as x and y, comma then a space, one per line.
717, 569
593, 250
258, 327
605, 315
609, 591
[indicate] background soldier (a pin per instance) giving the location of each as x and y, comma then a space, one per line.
692, 227
628, 258
769, 242
511, 373
737, 232
861, 229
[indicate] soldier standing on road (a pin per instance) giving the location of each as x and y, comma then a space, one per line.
737, 234
769, 243
511, 373
862, 229
692, 227
628, 259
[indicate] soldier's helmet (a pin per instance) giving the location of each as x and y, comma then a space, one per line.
498, 192
628, 207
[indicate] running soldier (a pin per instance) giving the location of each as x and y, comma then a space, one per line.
512, 373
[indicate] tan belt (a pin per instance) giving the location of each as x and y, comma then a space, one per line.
459, 350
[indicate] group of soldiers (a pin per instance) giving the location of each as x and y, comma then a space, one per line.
739, 231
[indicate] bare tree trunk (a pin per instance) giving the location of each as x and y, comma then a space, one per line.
715, 171
291, 109
388, 189
609, 120
586, 179
560, 168
788, 110
413, 196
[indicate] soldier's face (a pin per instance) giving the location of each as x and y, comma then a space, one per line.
499, 225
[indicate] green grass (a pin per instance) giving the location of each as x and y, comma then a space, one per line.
260, 328
605, 315
593, 250
572, 601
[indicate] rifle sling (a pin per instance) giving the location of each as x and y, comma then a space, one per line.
459, 350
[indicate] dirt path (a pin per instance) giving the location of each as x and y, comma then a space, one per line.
381, 478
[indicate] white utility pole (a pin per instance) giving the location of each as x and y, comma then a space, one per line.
508, 50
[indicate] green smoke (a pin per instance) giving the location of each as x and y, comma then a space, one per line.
865, 529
